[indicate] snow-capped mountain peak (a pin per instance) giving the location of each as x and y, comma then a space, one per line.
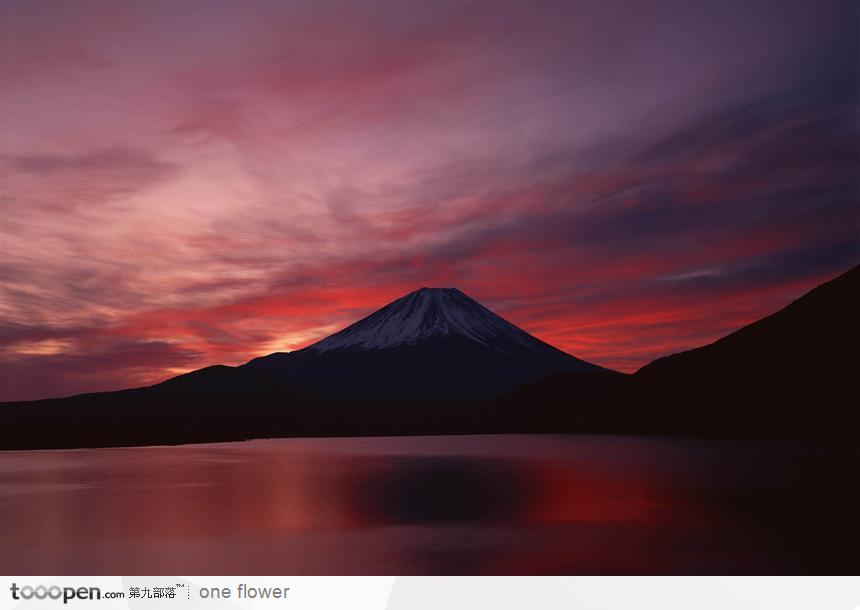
430, 313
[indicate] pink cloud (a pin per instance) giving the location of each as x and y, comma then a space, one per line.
180, 191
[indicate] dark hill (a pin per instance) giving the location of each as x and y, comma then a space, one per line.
419, 365
437, 362
793, 374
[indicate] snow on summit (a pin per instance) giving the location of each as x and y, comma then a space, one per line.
430, 313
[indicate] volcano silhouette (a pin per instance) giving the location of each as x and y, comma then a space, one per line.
406, 367
437, 362
432, 344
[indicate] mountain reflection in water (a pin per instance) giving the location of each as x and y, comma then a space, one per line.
434, 505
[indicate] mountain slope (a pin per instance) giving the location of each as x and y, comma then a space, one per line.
433, 344
433, 313
414, 367
793, 374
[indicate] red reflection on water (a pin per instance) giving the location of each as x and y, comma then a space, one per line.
504, 505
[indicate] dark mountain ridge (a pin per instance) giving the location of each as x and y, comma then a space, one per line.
415, 365
793, 374
434, 344
437, 362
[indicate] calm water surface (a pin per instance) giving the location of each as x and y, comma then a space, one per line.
433, 505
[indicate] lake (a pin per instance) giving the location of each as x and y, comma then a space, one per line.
434, 505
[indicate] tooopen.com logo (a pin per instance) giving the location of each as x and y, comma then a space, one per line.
56, 592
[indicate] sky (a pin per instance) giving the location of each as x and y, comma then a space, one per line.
185, 184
